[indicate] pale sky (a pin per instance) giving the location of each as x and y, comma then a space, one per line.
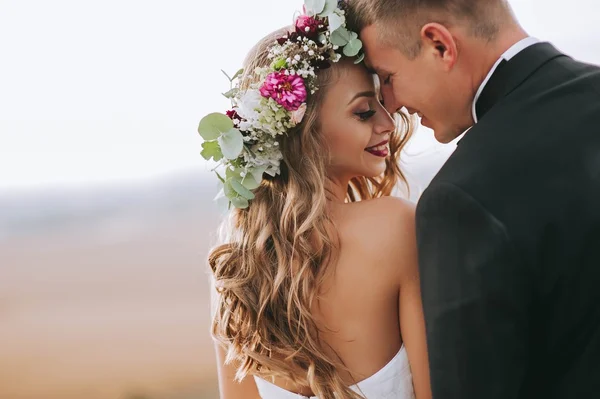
105, 90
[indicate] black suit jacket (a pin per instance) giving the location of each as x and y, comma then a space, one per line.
509, 239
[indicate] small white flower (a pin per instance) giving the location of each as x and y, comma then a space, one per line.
297, 57
311, 53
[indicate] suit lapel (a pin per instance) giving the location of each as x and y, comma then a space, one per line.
510, 74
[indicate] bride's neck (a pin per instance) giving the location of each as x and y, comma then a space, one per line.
336, 189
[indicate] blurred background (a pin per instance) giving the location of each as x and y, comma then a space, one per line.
106, 207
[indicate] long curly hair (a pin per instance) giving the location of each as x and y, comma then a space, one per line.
277, 252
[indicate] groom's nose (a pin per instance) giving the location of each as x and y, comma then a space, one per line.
389, 100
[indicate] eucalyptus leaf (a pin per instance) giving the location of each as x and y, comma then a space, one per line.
211, 149
231, 93
240, 202
352, 48
335, 21
330, 7
220, 177
250, 182
238, 74
241, 190
360, 58
314, 7
214, 125
235, 173
228, 190
232, 143
322, 38
227, 76
258, 172
340, 37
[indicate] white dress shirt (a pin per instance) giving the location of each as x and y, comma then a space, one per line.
508, 54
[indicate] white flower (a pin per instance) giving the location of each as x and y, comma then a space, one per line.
248, 103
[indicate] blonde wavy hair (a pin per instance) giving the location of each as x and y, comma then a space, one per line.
268, 270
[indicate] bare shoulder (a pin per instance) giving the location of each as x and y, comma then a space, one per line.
383, 228
380, 217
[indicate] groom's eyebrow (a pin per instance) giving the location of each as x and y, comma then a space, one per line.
362, 94
375, 71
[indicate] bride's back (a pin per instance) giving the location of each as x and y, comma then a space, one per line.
358, 305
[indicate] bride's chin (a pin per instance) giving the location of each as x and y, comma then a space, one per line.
375, 171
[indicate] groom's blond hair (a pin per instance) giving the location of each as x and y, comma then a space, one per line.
399, 21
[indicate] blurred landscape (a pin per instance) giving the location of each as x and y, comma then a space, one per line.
104, 290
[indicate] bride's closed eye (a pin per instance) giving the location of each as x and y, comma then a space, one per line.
363, 116
386, 81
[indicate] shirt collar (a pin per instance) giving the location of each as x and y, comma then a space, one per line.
507, 55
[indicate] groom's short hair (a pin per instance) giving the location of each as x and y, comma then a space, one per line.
400, 21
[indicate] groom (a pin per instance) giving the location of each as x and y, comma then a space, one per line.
509, 229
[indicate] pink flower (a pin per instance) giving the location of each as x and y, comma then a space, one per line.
288, 90
307, 26
298, 114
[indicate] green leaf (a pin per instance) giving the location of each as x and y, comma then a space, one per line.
279, 64
250, 182
235, 173
330, 7
335, 22
241, 190
232, 143
322, 38
227, 76
238, 74
231, 93
211, 149
258, 172
340, 37
220, 177
240, 202
360, 58
314, 7
228, 190
214, 125
353, 47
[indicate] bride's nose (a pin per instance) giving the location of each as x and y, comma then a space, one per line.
385, 124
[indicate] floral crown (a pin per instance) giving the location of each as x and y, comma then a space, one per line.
244, 140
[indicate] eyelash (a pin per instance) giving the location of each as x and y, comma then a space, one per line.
363, 116
386, 81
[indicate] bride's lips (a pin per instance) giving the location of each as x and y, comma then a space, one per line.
379, 150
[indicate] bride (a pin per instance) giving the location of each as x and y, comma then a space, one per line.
316, 283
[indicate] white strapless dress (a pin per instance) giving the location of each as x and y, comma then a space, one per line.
393, 381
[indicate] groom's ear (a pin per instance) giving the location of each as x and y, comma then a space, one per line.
438, 42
